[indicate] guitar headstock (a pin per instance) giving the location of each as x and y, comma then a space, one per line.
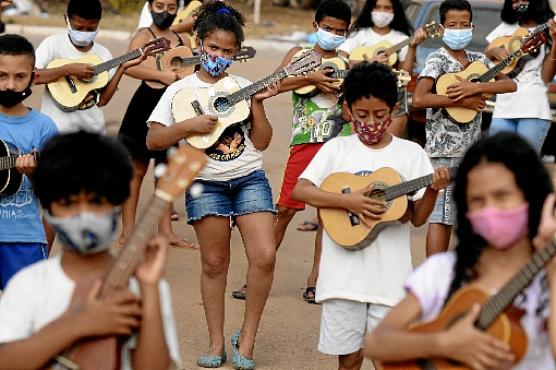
533, 42
305, 62
156, 46
183, 166
246, 53
403, 77
432, 29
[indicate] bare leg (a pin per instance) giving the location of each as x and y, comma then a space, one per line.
312, 279
438, 238
165, 228
283, 219
215, 260
398, 126
260, 248
353, 361
129, 208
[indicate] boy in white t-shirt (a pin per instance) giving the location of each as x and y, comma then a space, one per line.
357, 288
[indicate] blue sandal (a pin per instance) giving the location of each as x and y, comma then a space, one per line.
240, 362
212, 361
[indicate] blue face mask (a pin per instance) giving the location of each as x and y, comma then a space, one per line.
214, 65
329, 41
457, 39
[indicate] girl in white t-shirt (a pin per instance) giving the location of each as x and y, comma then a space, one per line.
235, 188
526, 111
500, 190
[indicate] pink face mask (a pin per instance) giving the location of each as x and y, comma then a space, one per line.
371, 133
500, 228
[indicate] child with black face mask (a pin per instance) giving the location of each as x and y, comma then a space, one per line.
22, 236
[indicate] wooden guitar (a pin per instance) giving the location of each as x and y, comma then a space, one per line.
478, 72
345, 228
362, 53
497, 317
103, 353
10, 178
186, 13
69, 92
228, 101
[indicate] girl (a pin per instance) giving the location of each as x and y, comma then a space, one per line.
527, 111
235, 188
385, 20
500, 189
133, 131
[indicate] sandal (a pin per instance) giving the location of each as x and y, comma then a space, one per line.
241, 293
238, 361
309, 295
308, 225
212, 361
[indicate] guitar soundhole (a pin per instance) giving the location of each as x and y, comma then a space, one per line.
176, 62
221, 104
88, 80
378, 193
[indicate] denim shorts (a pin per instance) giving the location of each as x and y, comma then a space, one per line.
236, 197
444, 211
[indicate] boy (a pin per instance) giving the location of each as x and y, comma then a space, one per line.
447, 141
81, 180
82, 18
357, 288
315, 120
22, 236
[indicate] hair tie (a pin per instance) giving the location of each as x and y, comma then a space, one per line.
224, 10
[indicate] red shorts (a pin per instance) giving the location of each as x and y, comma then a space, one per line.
300, 157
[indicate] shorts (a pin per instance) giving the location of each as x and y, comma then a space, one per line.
236, 197
16, 256
444, 211
300, 157
344, 324
403, 107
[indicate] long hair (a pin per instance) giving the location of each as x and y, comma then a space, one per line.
399, 23
531, 178
539, 12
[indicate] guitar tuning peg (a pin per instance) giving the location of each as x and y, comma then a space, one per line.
196, 190
160, 170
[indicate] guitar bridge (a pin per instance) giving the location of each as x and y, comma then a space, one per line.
71, 84
197, 108
353, 219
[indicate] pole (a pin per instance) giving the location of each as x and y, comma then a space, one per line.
257, 12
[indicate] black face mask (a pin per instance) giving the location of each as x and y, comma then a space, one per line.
522, 9
163, 19
10, 98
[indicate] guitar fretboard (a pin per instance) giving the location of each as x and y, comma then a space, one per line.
8, 162
340, 74
248, 91
407, 187
489, 75
398, 46
112, 63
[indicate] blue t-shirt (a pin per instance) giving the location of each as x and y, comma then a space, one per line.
20, 218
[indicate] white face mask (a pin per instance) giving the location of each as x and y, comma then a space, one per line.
81, 38
382, 19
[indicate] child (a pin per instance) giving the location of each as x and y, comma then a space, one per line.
357, 288
500, 183
527, 111
235, 186
82, 18
22, 236
385, 20
446, 140
81, 180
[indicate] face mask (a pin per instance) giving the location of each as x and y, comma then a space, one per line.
382, 19
86, 232
522, 9
10, 98
214, 65
163, 20
329, 41
457, 39
81, 38
371, 134
500, 228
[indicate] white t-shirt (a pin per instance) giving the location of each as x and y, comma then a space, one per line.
530, 100
60, 47
227, 160
377, 273
41, 293
368, 37
430, 284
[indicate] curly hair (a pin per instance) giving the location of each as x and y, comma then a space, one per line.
399, 23
215, 15
371, 79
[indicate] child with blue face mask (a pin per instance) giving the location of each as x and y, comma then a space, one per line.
446, 140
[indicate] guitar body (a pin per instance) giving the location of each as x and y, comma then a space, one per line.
69, 92
471, 73
98, 354
208, 99
337, 222
506, 328
510, 43
187, 11
10, 179
362, 53
172, 59
336, 64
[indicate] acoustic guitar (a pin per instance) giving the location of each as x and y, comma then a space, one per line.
497, 317
10, 178
344, 227
478, 72
362, 53
228, 101
103, 353
69, 91
186, 13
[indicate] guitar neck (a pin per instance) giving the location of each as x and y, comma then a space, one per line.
505, 297
8, 162
112, 63
407, 187
248, 91
395, 48
190, 61
489, 75
340, 74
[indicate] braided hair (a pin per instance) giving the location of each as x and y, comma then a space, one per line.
215, 15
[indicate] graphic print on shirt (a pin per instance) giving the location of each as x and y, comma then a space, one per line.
13, 206
229, 146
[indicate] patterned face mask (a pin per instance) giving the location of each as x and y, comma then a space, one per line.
371, 133
214, 65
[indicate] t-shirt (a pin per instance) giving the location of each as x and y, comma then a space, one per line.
530, 100
446, 138
430, 284
233, 155
368, 37
42, 292
60, 47
375, 274
20, 218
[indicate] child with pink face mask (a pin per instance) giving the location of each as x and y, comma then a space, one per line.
505, 212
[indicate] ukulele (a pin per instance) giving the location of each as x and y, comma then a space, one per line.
103, 353
228, 101
478, 72
69, 91
344, 227
186, 13
362, 53
10, 178
497, 317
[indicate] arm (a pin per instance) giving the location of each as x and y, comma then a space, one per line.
184, 26
418, 37
549, 64
46, 75
465, 88
160, 137
424, 206
424, 98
